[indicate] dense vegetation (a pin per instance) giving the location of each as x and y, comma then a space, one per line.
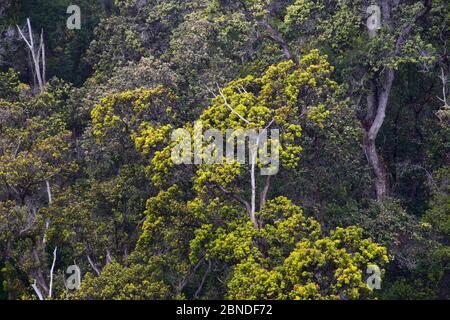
86, 175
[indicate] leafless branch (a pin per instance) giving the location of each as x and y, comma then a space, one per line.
50, 292
202, 283
97, 271
37, 291
37, 55
444, 80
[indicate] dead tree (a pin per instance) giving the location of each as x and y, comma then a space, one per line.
37, 55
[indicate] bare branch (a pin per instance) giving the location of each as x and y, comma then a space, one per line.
37, 59
49, 192
263, 196
30, 32
97, 271
237, 198
444, 80
50, 292
200, 287
24, 38
231, 108
37, 291
42, 46
276, 36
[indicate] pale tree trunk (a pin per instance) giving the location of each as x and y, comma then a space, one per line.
49, 192
39, 285
377, 102
50, 292
47, 221
37, 55
251, 207
37, 291
378, 167
254, 153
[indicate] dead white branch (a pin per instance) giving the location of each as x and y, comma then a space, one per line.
97, 271
50, 292
231, 108
37, 55
37, 290
444, 80
49, 192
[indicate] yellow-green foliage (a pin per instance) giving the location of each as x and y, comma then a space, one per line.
289, 258
285, 94
128, 110
137, 282
286, 256
35, 150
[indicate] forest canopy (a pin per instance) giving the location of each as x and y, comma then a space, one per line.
120, 121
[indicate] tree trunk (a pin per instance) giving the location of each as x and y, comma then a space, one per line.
377, 103
378, 167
